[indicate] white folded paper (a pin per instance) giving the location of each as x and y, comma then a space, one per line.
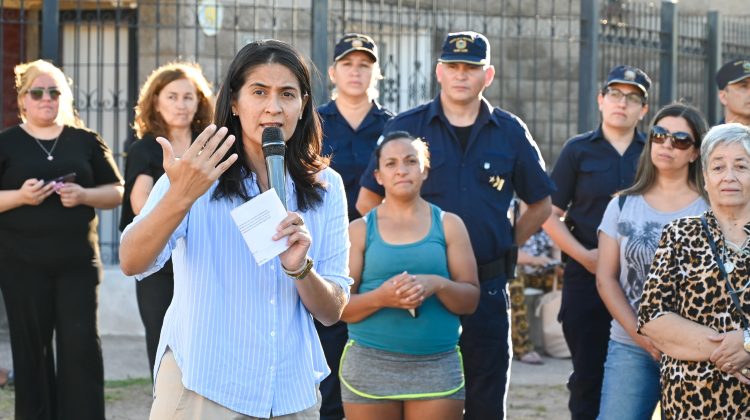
257, 220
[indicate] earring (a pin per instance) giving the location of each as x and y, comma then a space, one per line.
300, 117
234, 114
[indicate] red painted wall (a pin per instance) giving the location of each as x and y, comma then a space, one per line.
11, 55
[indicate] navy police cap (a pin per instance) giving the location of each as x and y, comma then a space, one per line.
355, 42
733, 72
629, 75
466, 47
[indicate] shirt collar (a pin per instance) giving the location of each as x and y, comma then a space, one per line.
435, 110
331, 108
328, 108
598, 134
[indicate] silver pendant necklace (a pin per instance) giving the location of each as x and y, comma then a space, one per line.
47, 152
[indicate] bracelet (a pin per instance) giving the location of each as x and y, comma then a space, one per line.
302, 272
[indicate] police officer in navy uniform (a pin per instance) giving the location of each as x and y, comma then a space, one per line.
352, 123
480, 156
593, 166
733, 81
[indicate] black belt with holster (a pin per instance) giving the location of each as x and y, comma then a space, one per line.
504, 266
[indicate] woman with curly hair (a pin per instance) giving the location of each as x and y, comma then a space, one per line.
175, 103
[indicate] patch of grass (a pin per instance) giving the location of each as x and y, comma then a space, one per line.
7, 401
124, 383
117, 390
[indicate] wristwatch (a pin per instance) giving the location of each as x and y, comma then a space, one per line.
302, 272
746, 334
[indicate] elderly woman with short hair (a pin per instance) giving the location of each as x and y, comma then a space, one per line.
695, 304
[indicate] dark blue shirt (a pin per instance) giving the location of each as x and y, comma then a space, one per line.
477, 184
587, 173
350, 149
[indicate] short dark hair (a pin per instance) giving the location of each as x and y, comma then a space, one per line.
303, 158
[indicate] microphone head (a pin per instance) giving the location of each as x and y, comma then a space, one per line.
273, 142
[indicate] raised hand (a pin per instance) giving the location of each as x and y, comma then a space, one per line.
193, 174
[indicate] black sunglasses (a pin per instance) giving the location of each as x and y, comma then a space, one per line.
680, 139
38, 93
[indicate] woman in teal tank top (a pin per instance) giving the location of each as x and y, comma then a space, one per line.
414, 273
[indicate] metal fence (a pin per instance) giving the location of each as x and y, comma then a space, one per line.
550, 56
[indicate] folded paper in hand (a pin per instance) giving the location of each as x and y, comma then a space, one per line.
257, 220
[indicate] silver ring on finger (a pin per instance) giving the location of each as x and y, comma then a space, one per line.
745, 371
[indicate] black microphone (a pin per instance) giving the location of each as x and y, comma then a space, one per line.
273, 150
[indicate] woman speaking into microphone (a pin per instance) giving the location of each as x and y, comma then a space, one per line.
238, 336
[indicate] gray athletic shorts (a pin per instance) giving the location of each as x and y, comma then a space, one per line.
369, 375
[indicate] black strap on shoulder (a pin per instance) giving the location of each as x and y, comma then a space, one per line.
724, 274
621, 200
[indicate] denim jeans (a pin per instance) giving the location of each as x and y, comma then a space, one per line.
631, 383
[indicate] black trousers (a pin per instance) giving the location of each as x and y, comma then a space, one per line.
42, 298
586, 324
333, 339
485, 346
154, 295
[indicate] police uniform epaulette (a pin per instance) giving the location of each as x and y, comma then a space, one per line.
326, 108
420, 108
580, 137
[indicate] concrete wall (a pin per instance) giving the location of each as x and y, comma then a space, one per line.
118, 307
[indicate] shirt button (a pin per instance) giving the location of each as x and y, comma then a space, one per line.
463, 188
272, 301
273, 333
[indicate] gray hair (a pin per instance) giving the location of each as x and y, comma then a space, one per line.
724, 134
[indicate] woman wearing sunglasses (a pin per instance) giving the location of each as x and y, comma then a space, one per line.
175, 103
696, 303
49, 253
668, 185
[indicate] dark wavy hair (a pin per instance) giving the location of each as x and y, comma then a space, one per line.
302, 157
645, 175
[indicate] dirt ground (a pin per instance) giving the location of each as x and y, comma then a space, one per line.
130, 399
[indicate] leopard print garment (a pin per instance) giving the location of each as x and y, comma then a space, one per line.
684, 280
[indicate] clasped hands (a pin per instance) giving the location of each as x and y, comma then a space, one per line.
406, 291
730, 356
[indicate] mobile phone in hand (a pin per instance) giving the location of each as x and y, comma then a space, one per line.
63, 179
58, 182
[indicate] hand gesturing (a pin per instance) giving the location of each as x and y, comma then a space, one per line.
193, 174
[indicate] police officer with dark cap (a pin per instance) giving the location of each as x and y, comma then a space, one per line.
352, 122
591, 167
733, 81
480, 156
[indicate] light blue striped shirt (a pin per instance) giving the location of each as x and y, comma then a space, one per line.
239, 331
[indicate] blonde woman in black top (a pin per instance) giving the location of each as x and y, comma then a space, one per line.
54, 174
